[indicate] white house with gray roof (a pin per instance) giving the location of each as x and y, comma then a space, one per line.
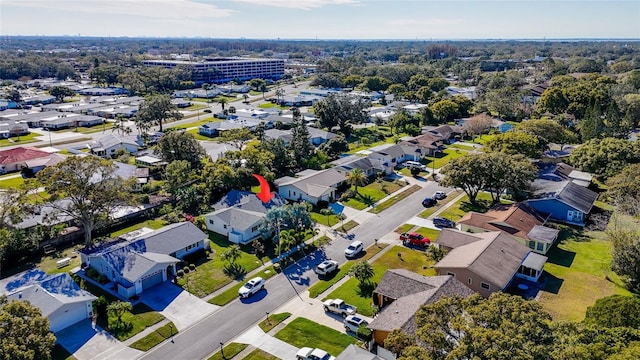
57, 296
107, 145
312, 187
239, 214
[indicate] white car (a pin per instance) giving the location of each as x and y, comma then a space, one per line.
353, 322
326, 267
353, 249
251, 287
307, 353
439, 195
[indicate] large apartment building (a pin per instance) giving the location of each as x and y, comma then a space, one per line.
221, 70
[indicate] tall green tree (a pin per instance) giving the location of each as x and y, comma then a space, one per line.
118, 309
626, 255
342, 111
60, 92
176, 175
90, 187
444, 110
615, 311
181, 145
24, 332
157, 109
547, 132
300, 144
231, 254
363, 271
623, 189
605, 157
355, 178
514, 143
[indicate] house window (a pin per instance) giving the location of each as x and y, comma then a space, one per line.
485, 286
540, 247
211, 221
469, 281
225, 226
450, 273
254, 229
532, 244
190, 247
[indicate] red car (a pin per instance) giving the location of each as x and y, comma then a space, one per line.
414, 239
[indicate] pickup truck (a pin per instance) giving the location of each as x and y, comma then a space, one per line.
338, 306
414, 239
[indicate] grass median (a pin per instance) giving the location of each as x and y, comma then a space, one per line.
161, 334
394, 200
303, 332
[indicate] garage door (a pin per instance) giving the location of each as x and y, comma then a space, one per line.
67, 316
151, 280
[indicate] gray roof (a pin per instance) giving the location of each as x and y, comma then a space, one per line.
238, 218
398, 150
578, 197
47, 292
111, 140
222, 125
397, 283
362, 163
535, 261
172, 238
400, 314
246, 200
315, 184
494, 256
137, 265
543, 233
353, 352
285, 135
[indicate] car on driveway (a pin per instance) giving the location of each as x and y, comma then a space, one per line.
443, 223
354, 249
326, 267
439, 195
251, 287
353, 322
414, 239
429, 202
307, 353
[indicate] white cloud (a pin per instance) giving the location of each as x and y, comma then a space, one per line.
157, 9
300, 4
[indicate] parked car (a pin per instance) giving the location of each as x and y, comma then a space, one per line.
352, 323
353, 249
415, 164
307, 353
443, 223
439, 195
429, 202
326, 267
414, 239
338, 306
251, 287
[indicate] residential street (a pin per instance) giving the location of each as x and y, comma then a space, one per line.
204, 338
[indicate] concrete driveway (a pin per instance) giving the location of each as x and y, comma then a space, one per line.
276, 347
177, 305
87, 343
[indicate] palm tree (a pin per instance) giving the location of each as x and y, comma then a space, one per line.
286, 241
279, 93
363, 271
118, 309
231, 254
222, 101
328, 212
246, 98
356, 177
206, 88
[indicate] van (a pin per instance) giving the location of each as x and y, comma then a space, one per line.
414, 164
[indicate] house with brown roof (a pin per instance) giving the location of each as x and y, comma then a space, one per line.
487, 262
518, 220
427, 143
15, 159
401, 293
447, 133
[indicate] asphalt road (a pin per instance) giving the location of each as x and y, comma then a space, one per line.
202, 339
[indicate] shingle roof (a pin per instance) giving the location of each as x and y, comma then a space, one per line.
172, 238
316, 183
516, 219
543, 233
400, 314
22, 153
494, 256
353, 352
578, 197
248, 201
238, 218
111, 140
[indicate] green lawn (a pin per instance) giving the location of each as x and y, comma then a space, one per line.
371, 193
199, 136
324, 219
578, 273
273, 321
48, 262
482, 139
398, 257
429, 211
404, 228
349, 225
94, 129
19, 140
460, 146
11, 182
272, 105
463, 206
302, 332
230, 351
159, 335
323, 284
258, 354
232, 293
430, 233
442, 158
210, 274
140, 318
395, 199
199, 123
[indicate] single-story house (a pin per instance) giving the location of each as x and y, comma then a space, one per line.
180, 103
319, 92
468, 92
316, 136
313, 186
107, 145
88, 120
239, 214
518, 220
447, 133
38, 164
497, 124
239, 88
428, 143
39, 99
61, 121
414, 109
197, 93
15, 159
370, 166
298, 100
487, 262
100, 91
549, 172
215, 128
401, 293
396, 154
138, 264
13, 128
216, 150
57, 296
149, 161
564, 201
354, 352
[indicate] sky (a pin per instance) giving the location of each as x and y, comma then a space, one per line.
323, 19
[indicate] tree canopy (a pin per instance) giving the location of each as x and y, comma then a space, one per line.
615, 311
181, 145
605, 157
514, 143
156, 110
341, 111
24, 332
626, 255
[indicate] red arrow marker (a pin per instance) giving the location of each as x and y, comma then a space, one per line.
265, 192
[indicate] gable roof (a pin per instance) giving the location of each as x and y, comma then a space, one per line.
47, 292
238, 218
428, 141
569, 193
353, 352
112, 140
172, 238
21, 153
493, 256
517, 219
249, 201
400, 314
314, 184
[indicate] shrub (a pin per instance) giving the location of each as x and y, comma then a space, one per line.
179, 273
415, 171
192, 267
277, 267
103, 279
322, 204
92, 273
186, 270
144, 199
100, 306
364, 333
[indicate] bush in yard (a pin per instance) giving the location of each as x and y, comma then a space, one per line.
180, 273
415, 171
322, 204
192, 267
277, 268
100, 306
364, 333
186, 270
92, 273
145, 199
